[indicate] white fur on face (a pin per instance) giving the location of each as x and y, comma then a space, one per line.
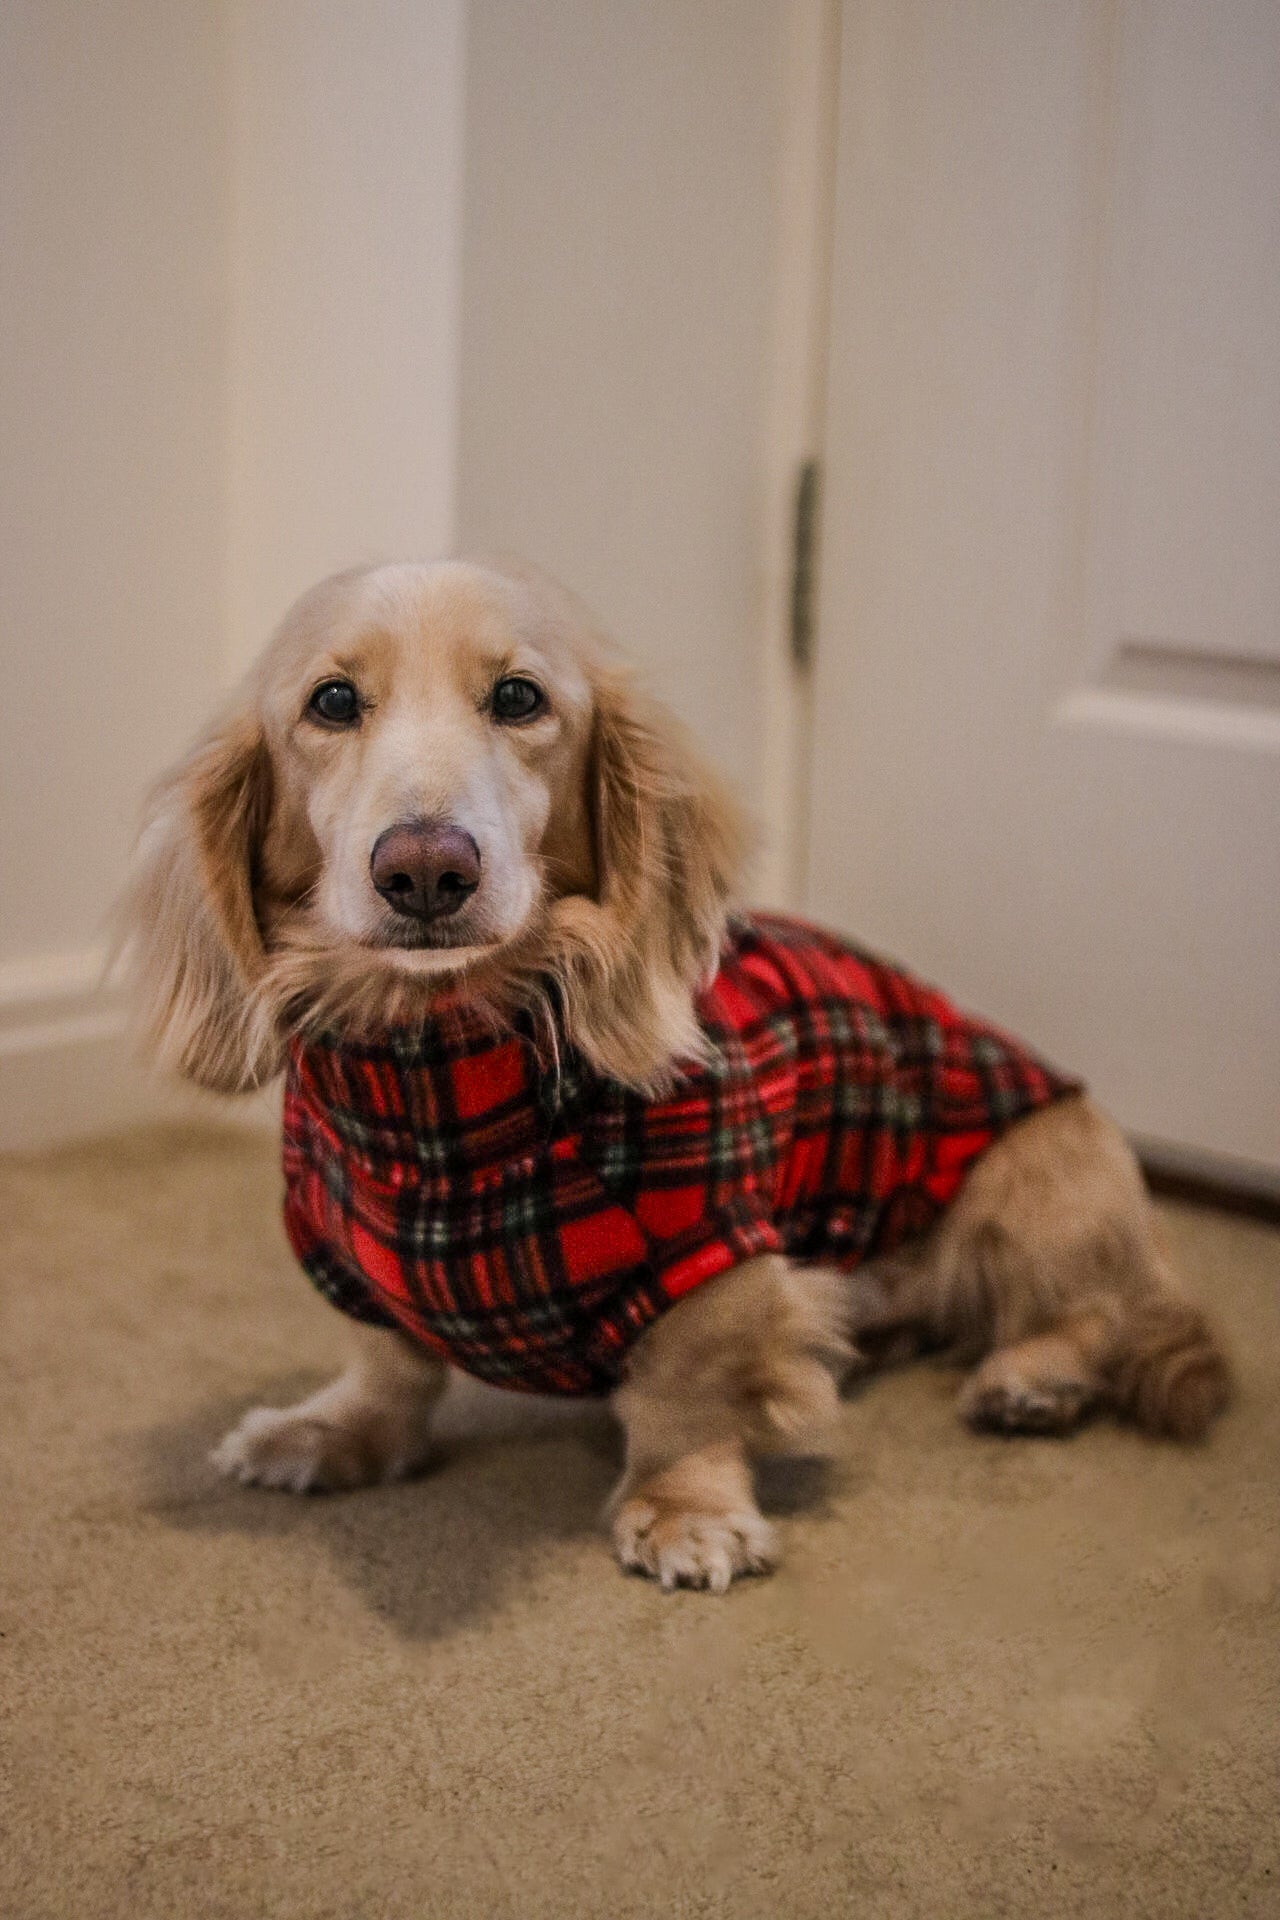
429, 766
430, 749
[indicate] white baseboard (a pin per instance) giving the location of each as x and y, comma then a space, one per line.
1228, 1172
69, 1066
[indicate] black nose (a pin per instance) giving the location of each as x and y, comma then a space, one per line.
426, 869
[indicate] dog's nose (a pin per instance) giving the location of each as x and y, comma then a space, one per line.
426, 869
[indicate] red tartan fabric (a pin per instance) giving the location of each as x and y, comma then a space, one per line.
528, 1225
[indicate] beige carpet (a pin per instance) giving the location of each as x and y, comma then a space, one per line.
993, 1678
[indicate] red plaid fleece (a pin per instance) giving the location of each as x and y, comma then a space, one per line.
528, 1225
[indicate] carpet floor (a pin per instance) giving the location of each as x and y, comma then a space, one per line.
992, 1678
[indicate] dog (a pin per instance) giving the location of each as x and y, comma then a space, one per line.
556, 1114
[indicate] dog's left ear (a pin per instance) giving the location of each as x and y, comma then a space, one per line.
670, 842
188, 921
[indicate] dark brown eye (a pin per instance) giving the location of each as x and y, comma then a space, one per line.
516, 698
336, 702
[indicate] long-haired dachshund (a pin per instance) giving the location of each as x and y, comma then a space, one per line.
554, 1114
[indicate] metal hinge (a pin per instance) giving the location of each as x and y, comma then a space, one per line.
804, 555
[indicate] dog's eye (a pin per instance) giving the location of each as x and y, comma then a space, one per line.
516, 698
336, 702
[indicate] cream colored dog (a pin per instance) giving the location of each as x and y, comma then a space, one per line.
578, 840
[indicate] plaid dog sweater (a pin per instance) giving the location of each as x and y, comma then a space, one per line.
529, 1224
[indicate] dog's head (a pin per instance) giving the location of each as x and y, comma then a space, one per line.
436, 779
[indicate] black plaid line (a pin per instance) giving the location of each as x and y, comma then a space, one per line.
345, 1290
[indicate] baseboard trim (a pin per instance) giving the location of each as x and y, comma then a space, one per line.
1211, 1179
70, 1068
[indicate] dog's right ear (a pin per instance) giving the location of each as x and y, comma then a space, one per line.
670, 841
188, 923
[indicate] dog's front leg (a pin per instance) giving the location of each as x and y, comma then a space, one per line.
744, 1365
372, 1423
694, 1523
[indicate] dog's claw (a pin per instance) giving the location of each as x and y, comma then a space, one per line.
678, 1548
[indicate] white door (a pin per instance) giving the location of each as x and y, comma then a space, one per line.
1046, 752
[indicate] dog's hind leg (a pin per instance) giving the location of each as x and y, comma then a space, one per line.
1044, 1384
1048, 1270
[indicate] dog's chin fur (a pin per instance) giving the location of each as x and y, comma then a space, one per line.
313, 983
432, 960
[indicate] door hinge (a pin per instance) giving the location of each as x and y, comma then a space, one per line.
804, 553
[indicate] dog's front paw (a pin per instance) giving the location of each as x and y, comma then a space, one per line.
680, 1547
290, 1448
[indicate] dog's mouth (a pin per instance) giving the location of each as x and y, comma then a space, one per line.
432, 946
435, 953
429, 939
477, 932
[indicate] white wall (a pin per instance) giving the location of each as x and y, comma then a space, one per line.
346, 165
112, 313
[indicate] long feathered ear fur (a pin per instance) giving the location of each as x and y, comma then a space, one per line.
670, 841
187, 923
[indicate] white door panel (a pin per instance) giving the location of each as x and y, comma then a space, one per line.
1047, 700
1187, 433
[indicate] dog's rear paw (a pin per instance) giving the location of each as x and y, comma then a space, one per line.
1008, 1402
681, 1548
288, 1448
